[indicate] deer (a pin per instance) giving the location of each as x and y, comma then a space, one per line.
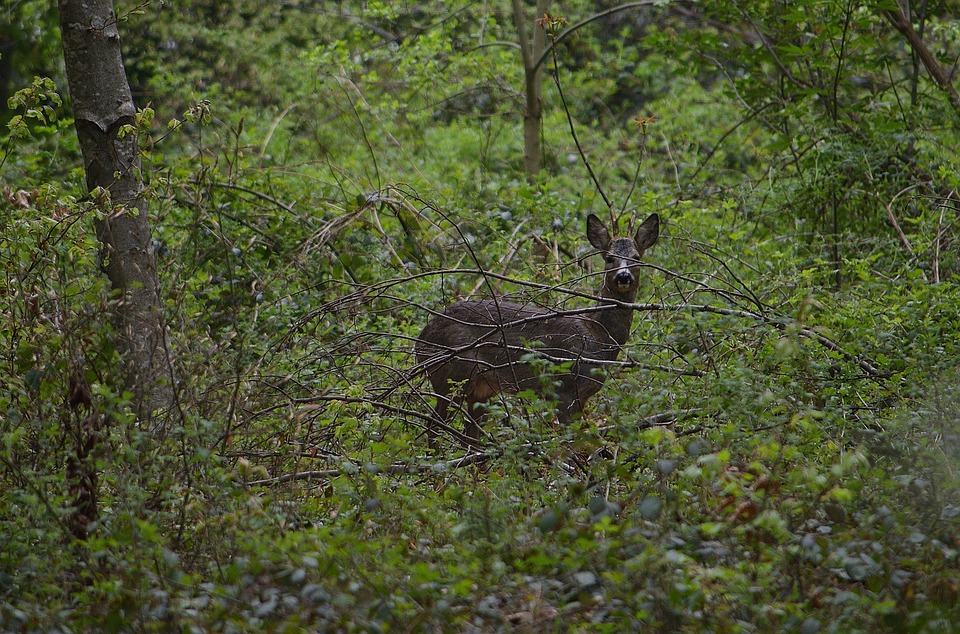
476, 349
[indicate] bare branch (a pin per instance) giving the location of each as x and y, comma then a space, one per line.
901, 23
893, 218
578, 25
396, 468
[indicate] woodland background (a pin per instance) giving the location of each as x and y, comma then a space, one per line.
779, 451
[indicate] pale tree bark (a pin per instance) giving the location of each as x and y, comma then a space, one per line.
102, 106
533, 41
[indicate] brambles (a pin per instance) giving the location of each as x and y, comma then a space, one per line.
776, 449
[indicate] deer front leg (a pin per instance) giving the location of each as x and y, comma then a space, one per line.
472, 426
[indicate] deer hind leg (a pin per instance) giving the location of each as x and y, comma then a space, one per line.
567, 412
569, 406
473, 424
450, 395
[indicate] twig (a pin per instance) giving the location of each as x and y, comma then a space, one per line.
658, 420
829, 344
593, 18
779, 322
938, 237
273, 128
770, 50
259, 194
573, 133
893, 219
402, 468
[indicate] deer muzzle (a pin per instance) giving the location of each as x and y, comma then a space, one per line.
623, 279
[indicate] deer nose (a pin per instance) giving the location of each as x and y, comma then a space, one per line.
623, 279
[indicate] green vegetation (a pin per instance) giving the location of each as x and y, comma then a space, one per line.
780, 451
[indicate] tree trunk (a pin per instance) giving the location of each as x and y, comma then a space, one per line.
531, 49
102, 105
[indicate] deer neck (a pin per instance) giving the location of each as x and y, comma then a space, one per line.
615, 321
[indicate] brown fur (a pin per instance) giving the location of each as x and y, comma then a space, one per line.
474, 349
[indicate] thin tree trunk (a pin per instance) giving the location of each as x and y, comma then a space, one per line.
102, 106
531, 49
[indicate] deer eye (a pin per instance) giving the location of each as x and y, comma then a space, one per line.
610, 259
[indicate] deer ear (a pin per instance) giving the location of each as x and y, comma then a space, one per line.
648, 233
597, 233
